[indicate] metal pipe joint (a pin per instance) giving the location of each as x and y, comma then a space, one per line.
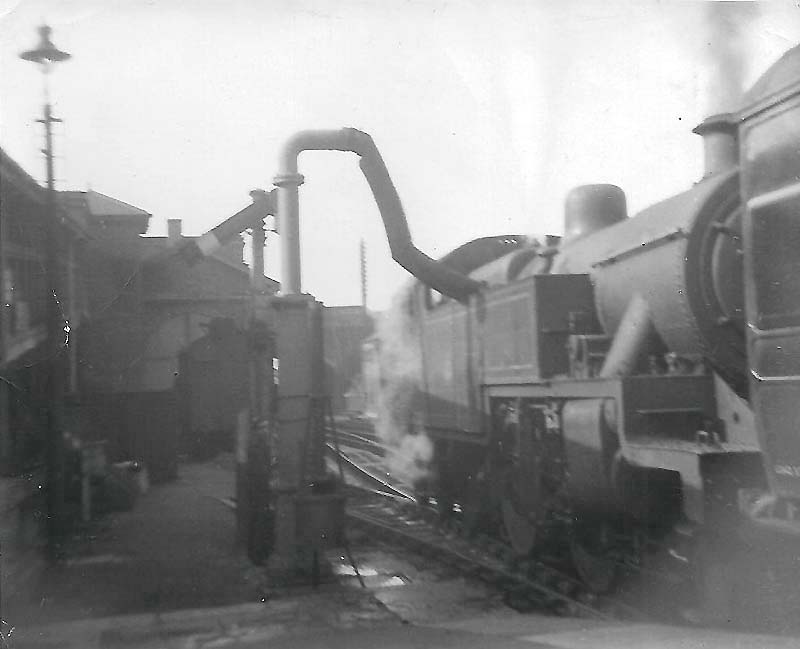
435, 274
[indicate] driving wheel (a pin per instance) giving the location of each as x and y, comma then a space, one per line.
593, 555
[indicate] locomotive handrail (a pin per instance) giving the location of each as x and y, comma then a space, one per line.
435, 274
775, 379
774, 196
644, 246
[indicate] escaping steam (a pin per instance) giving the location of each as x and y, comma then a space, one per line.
725, 54
393, 394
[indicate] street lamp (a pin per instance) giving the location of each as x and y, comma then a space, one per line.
46, 54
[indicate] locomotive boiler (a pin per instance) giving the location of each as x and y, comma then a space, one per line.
631, 382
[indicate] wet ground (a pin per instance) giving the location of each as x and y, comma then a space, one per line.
416, 588
167, 574
750, 589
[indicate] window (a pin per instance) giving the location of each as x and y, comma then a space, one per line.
776, 263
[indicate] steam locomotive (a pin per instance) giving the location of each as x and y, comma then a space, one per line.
638, 378
632, 384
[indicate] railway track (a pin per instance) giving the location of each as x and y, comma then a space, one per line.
392, 514
366, 475
361, 440
526, 584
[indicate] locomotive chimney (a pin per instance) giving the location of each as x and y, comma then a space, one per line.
592, 207
720, 143
174, 229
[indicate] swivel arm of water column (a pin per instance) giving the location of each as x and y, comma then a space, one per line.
431, 272
251, 216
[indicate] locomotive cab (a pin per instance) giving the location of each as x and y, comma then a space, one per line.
770, 168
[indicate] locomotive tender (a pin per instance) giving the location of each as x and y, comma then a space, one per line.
638, 377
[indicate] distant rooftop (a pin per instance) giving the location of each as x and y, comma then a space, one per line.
107, 212
102, 205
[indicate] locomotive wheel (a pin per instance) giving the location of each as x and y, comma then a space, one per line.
476, 504
520, 529
522, 493
520, 507
481, 500
592, 551
443, 490
521, 503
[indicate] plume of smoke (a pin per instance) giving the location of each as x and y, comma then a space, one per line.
396, 398
725, 56
410, 461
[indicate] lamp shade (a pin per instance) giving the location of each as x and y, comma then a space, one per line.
46, 52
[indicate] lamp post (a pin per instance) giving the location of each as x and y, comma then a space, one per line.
45, 55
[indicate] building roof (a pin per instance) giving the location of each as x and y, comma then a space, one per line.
117, 227
108, 213
102, 205
13, 173
15, 178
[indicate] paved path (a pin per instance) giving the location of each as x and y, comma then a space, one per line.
174, 550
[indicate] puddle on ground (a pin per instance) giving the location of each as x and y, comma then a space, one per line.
346, 570
394, 580
375, 578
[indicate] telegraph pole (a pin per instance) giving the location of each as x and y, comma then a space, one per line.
46, 54
362, 258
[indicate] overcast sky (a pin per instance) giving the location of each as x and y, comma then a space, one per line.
486, 113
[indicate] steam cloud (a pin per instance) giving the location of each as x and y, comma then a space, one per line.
399, 419
725, 54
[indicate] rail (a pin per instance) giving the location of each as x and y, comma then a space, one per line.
404, 519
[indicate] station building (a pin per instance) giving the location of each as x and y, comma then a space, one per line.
158, 357
131, 305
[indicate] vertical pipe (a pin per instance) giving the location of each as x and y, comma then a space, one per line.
362, 250
248, 421
436, 275
295, 393
289, 225
319, 393
257, 355
243, 503
257, 269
